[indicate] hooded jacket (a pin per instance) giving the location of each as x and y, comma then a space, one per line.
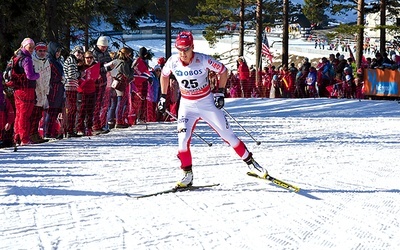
56, 93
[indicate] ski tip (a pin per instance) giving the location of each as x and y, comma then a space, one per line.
251, 174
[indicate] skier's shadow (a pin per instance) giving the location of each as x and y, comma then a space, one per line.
306, 192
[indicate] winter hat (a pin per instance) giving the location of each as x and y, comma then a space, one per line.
41, 46
102, 41
161, 60
27, 41
341, 57
77, 49
157, 67
184, 39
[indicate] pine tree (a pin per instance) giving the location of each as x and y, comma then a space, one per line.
314, 10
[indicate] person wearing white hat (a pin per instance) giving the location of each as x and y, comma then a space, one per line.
101, 55
102, 42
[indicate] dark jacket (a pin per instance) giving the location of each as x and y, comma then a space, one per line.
56, 93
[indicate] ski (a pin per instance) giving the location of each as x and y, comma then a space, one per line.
277, 182
172, 190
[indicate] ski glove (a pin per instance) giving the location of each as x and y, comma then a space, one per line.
162, 103
219, 99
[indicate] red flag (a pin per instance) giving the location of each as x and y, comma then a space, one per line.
142, 72
87, 84
93, 72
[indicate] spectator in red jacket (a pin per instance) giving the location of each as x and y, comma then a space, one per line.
244, 75
24, 91
87, 94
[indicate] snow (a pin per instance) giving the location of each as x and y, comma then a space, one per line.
343, 154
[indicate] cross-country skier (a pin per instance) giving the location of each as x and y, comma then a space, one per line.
191, 70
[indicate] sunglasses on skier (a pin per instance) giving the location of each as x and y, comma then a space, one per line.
186, 49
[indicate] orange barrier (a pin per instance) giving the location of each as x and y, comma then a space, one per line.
381, 82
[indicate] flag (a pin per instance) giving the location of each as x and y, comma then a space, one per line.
142, 72
93, 72
87, 83
351, 53
265, 48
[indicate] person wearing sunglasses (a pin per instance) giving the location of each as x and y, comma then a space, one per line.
42, 66
90, 71
197, 102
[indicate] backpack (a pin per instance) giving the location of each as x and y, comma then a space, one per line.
10, 73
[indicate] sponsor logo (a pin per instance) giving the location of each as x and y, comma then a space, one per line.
188, 73
215, 64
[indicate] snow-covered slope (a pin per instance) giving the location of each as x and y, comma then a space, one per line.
343, 154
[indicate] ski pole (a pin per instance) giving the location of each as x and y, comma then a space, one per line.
257, 142
201, 138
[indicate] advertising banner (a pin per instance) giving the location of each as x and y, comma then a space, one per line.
381, 82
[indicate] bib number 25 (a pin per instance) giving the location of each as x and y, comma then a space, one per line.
190, 84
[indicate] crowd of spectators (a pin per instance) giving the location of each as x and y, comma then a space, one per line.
333, 76
44, 97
